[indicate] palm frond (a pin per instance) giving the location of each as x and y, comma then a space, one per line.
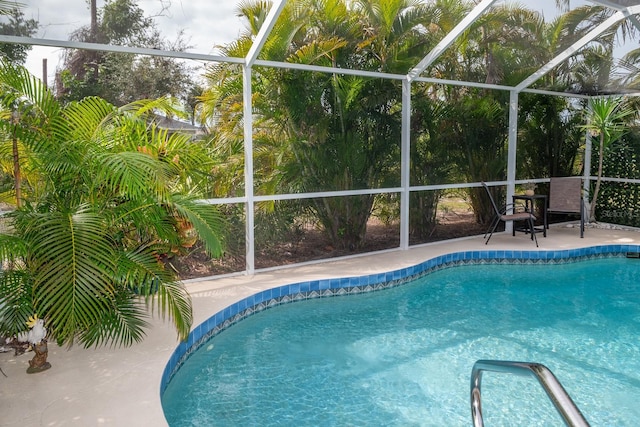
173, 300
7, 6
86, 119
22, 90
12, 248
147, 108
16, 304
206, 219
318, 49
123, 325
158, 286
73, 263
132, 174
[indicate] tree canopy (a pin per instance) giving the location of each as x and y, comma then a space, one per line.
13, 23
118, 77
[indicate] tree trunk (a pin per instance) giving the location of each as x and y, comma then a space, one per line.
422, 218
344, 219
594, 199
16, 162
94, 21
94, 37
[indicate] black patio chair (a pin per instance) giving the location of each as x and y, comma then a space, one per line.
501, 215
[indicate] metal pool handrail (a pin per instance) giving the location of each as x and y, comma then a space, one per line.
557, 394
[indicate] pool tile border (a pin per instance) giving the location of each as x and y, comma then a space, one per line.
370, 283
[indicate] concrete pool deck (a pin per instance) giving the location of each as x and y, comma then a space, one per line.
121, 386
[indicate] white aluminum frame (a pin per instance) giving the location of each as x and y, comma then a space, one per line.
251, 60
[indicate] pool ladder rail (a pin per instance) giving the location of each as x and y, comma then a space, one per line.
557, 394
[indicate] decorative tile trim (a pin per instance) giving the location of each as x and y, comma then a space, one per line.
372, 283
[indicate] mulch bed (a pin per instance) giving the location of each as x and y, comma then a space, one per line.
313, 245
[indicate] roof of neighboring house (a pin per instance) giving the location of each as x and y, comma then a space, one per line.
173, 125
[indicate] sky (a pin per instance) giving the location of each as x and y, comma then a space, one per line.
205, 23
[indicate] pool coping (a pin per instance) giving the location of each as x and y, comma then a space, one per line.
324, 288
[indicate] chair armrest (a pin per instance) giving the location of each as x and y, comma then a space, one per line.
513, 206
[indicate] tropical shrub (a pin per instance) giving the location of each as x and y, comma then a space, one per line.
481, 135
109, 195
431, 163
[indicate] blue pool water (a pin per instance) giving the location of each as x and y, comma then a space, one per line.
403, 356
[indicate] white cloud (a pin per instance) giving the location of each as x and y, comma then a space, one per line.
205, 22
57, 18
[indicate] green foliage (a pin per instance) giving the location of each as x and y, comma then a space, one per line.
110, 194
607, 121
330, 132
549, 137
123, 22
481, 135
621, 200
315, 131
16, 26
431, 159
122, 78
281, 223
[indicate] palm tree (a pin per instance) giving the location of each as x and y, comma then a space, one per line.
432, 128
108, 198
630, 73
481, 135
549, 136
496, 45
329, 132
592, 70
606, 120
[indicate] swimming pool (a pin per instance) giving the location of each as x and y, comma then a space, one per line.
404, 356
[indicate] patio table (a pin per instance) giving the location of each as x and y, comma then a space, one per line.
529, 205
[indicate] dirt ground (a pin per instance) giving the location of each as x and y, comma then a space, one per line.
454, 220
